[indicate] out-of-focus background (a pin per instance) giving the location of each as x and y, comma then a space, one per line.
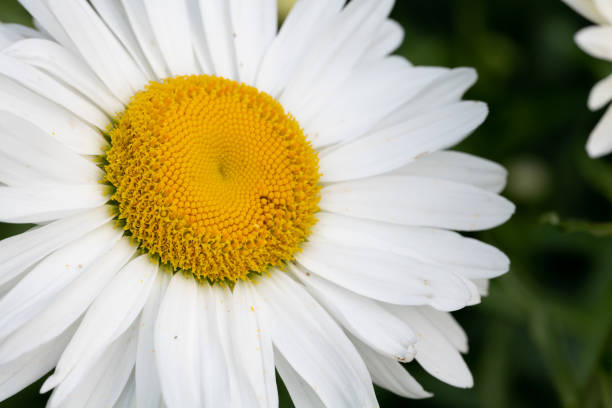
543, 337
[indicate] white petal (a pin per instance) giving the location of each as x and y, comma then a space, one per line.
148, 392
446, 89
389, 37
385, 276
605, 8
127, 399
68, 305
391, 148
254, 24
434, 352
136, 12
587, 9
214, 364
48, 87
600, 140
460, 167
482, 285
252, 345
367, 96
172, 29
62, 64
104, 382
49, 202
38, 289
362, 317
448, 326
198, 36
336, 52
43, 159
313, 344
389, 374
302, 395
419, 201
20, 373
11, 33
100, 48
21, 251
108, 317
51, 118
304, 24
601, 94
177, 343
217, 24
596, 41
43, 16
114, 15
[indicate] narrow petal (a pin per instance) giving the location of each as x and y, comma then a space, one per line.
601, 94
38, 289
24, 250
172, 29
389, 37
217, 24
434, 352
588, 9
460, 167
254, 24
108, 317
418, 201
389, 374
19, 373
127, 399
313, 344
54, 120
68, 305
48, 87
302, 394
391, 148
303, 25
600, 140
61, 63
49, 202
148, 392
596, 40
103, 383
252, 345
39, 9
100, 48
362, 317
448, 326
177, 346
44, 160
385, 276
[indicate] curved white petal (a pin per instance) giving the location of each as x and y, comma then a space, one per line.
38, 289
39, 9
385, 276
48, 87
127, 399
362, 317
255, 24
217, 24
252, 345
391, 148
113, 311
418, 201
40, 158
177, 343
588, 9
54, 120
103, 383
389, 374
303, 25
448, 326
434, 352
596, 41
389, 37
49, 202
601, 94
171, 26
28, 368
313, 344
148, 391
302, 395
100, 48
68, 305
62, 64
21, 251
600, 140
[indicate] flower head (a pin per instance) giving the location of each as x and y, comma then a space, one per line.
216, 200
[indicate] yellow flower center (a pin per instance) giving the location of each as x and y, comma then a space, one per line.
212, 177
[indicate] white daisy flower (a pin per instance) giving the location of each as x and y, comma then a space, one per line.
596, 41
216, 200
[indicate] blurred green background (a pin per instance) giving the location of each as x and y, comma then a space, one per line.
544, 335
